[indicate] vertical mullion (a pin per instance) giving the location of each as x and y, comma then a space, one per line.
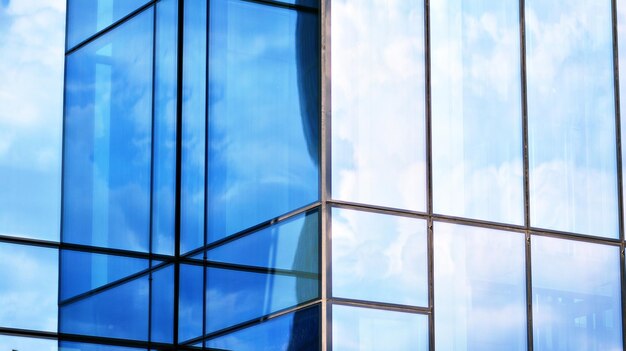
618, 149
429, 177
526, 172
152, 166
325, 85
206, 166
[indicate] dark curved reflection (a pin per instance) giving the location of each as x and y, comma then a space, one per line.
263, 114
108, 113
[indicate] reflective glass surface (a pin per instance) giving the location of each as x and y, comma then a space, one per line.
84, 271
236, 296
28, 287
571, 116
108, 113
290, 245
80, 346
476, 110
118, 312
31, 109
378, 153
194, 125
162, 326
480, 290
295, 331
191, 302
371, 250
576, 296
14, 343
365, 329
621, 36
164, 146
264, 114
87, 17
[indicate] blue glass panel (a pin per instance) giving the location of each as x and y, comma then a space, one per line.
28, 287
365, 329
291, 245
480, 289
81, 346
621, 36
571, 116
308, 3
194, 126
295, 331
235, 296
108, 115
164, 148
120, 312
372, 250
576, 296
162, 305
14, 343
378, 139
84, 271
476, 110
87, 17
264, 114
31, 112
191, 302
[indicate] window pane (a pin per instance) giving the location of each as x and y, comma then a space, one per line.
378, 154
576, 296
480, 289
14, 343
379, 257
162, 305
31, 110
264, 114
108, 113
295, 331
164, 148
28, 287
79, 346
194, 126
571, 117
290, 245
476, 110
119, 312
621, 35
236, 296
87, 17
364, 329
82, 271
191, 302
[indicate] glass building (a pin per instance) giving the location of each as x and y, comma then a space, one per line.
328, 175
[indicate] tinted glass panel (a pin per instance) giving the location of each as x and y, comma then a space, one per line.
476, 110
291, 245
576, 296
264, 114
119, 312
31, 110
191, 302
164, 148
372, 250
364, 329
480, 289
108, 113
194, 125
235, 296
378, 154
83, 271
79, 346
87, 17
621, 35
162, 305
28, 287
13, 343
571, 117
295, 331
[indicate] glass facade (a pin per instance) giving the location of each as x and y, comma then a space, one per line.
326, 175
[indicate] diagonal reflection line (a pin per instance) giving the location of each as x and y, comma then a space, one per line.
279, 3
111, 285
255, 269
